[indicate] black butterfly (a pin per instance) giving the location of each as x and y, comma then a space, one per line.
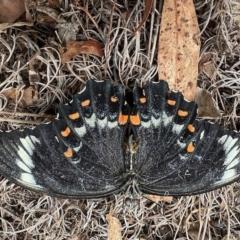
82, 152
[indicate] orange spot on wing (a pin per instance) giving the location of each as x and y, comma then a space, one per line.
191, 128
135, 119
68, 153
171, 102
66, 132
190, 148
122, 120
114, 99
143, 100
182, 113
74, 116
85, 103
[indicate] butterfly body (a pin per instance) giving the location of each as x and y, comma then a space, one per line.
81, 154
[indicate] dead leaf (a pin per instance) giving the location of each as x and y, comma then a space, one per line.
207, 108
67, 31
54, 14
148, 7
11, 10
210, 70
54, 4
179, 46
5, 26
74, 48
114, 227
24, 97
205, 59
156, 198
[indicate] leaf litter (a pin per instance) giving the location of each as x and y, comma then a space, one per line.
129, 59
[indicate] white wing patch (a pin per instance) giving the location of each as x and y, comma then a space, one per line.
155, 122
91, 121
146, 124
166, 119
232, 157
25, 157
23, 166
81, 131
177, 128
102, 123
28, 143
76, 149
113, 124
228, 175
181, 145
27, 177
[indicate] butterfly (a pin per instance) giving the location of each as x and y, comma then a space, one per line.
98, 146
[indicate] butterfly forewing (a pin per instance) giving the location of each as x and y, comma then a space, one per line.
79, 154
177, 155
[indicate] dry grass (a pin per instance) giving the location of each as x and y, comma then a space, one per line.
129, 59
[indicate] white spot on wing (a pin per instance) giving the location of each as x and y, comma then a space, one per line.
222, 139
29, 143
155, 122
146, 124
182, 157
23, 166
181, 145
166, 119
229, 144
230, 156
228, 175
34, 139
233, 163
91, 121
25, 157
82, 90
177, 128
27, 177
81, 131
202, 134
102, 123
76, 149
113, 124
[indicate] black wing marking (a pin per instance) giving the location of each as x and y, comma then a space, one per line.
78, 155
177, 154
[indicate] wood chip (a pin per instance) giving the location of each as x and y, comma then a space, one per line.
156, 198
114, 227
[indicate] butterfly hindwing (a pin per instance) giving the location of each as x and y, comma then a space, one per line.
178, 155
77, 155
80, 154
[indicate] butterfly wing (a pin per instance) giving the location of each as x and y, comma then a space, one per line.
177, 154
77, 155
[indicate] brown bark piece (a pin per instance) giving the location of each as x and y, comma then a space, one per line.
179, 47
